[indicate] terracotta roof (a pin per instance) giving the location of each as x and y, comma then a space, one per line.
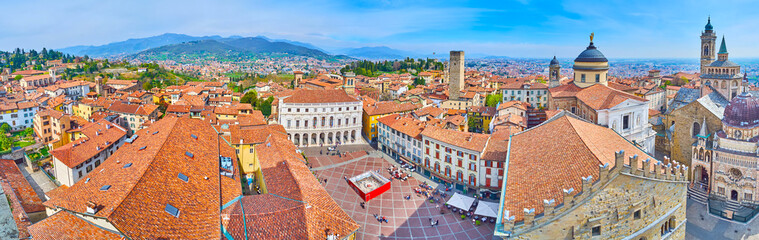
620, 87
387, 107
535, 174
567, 90
98, 136
173, 108
301, 209
471, 141
602, 97
195, 100
319, 96
253, 134
517, 104
27, 72
405, 124
138, 195
138, 109
432, 111
10, 173
64, 225
498, 146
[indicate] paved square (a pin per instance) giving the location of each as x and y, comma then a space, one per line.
407, 219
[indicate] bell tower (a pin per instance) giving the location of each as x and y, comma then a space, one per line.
708, 42
553, 73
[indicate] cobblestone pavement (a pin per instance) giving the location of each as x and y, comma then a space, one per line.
702, 225
407, 219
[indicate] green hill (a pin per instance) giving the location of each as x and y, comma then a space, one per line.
229, 49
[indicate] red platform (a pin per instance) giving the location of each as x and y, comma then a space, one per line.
369, 185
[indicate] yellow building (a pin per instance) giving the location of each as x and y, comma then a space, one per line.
375, 110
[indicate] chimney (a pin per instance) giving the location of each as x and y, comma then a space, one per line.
92, 208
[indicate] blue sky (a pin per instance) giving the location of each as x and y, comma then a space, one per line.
522, 28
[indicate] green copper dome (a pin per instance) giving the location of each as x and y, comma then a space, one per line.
708, 26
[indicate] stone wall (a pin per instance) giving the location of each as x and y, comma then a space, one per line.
626, 202
682, 139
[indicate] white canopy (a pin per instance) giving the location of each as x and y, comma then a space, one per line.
487, 209
460, 201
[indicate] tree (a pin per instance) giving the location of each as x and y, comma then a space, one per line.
18, 77
265, 106
493, 100
147, 85
250, 97
419, 81
27, 132
5, 142
5, 128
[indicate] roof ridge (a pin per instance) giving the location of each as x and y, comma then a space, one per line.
139, 179
584, 144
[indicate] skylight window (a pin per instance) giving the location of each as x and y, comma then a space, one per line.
143, 148
183, 177
189, 154
86, 181
172, 210
194, 136
156, 132
127, 165
105, 187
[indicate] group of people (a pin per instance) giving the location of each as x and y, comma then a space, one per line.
424, 189
380, 218
398, 173
433, 223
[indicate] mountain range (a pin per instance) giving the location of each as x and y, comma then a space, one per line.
174, 46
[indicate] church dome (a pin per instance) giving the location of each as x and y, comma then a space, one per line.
554, 61
591, 54
708, 26
742, 111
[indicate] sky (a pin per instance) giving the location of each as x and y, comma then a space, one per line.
521, 28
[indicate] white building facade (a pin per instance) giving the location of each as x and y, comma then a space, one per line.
630, 119
536, 94
321, 118
18, 115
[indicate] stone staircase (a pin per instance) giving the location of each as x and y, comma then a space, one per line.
732, 205
698, 195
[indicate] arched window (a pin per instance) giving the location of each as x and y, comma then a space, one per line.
701, 154
696, 129
724, 85
437, 167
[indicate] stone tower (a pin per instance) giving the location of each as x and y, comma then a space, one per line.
298, 77
553, 73
456, 75
349, 84
708, 42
